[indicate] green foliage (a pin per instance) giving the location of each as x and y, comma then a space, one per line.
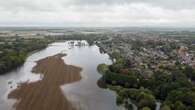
116, 67
102, 68
145, 108
14, 54
182, 98
165, 107
119, 100
129, 106
146, 100
171, 86
190, 72
179, 105
116, 55
119, 79
143, 97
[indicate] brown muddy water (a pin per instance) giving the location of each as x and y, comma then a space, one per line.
83, 94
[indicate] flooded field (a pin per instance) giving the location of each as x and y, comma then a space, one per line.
83, 94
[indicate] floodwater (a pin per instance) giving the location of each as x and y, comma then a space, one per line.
84, 94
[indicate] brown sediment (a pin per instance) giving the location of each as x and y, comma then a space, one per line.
46, 93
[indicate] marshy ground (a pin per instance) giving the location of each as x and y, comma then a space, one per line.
46, 93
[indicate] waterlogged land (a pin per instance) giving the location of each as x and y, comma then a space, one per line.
42, 83
46, 93
150, 71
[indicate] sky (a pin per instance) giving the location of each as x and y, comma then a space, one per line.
98, 13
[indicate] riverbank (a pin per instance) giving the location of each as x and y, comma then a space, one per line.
14, 54
46, 94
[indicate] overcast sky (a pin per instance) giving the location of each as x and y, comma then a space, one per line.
97, 13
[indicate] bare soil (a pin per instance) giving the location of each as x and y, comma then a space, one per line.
46, 93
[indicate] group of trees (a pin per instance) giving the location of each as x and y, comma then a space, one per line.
11, 59
173, 87
141, 97
14, 54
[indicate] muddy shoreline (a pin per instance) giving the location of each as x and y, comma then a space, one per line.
46, 93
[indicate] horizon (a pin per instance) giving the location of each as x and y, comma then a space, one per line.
44, 28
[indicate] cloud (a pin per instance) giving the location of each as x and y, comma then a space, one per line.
171, 4
98, 12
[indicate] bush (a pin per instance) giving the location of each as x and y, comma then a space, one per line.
119, 100
145, 108
146, 100
165, 107
102, 68
120, 79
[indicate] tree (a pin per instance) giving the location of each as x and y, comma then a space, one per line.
146, 100
179, 106
119, 100
145, 108
102, 68
165, 107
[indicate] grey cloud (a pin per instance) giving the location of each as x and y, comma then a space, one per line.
171, 4
97, 12
27, 5
53, 5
